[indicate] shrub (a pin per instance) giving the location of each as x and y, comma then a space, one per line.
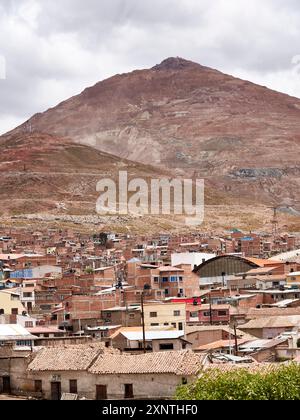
282, 383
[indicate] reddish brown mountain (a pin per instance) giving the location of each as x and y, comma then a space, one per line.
45, 173
181, 117
184, 116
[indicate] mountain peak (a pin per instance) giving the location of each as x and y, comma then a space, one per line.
175, 63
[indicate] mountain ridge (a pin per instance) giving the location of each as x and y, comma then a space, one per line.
187, 120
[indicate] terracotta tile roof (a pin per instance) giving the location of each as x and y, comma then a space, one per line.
261, 270
272, 277
167, 269
263, 368
44, 330
177, 363
263, 263
272, 322
71, 358
267, 312
222, 344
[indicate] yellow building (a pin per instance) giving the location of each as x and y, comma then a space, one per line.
293, 279
10, 303
171, 315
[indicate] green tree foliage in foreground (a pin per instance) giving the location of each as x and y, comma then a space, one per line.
282, 383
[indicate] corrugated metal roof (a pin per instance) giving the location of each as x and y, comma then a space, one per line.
152, 335
14, 332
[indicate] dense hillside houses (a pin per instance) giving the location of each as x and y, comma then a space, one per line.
118, 316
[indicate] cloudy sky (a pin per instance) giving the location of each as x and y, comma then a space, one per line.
53, 50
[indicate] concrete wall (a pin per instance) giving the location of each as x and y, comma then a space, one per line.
287, 353
201, 338
177, 345
165, 314
15, 368
265, 333
7, 304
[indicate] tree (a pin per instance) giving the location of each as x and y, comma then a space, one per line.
103, 238
280, 383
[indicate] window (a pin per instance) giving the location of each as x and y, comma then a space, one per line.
108, 315
222, 313
28, 324
38, 386
167, 292
165, 279
174, 279
14, 311
153, 314
1, 311
131, 316
154, 325
184, 381
156, 279
206, 314
24, 343
73, 386
45, 307
176, 313
181, 279
194, 315
166, 346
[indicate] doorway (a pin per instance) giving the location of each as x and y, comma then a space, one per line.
55, 391
6, 385
101, 392
129, 392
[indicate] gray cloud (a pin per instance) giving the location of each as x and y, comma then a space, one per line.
55, 49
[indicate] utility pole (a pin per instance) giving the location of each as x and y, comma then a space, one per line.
223, 278
210, 310
126, 307
235, 340
143, 322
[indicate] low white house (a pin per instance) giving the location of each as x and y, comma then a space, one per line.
16, 334
156, 341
